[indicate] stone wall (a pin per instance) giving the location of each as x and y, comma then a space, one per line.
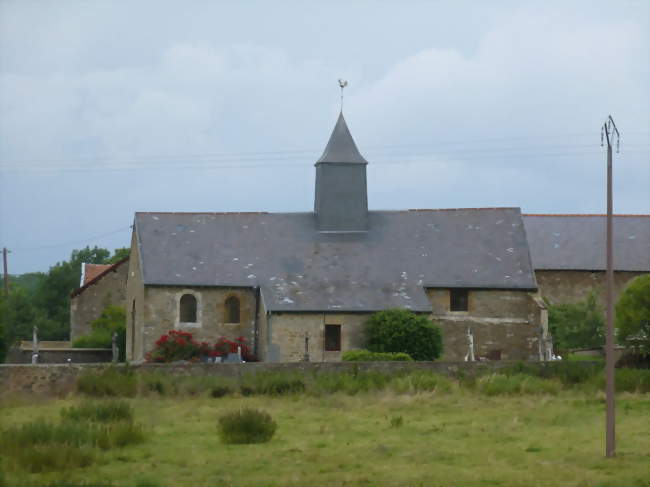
572, 286
60, 355
505, 324
161, 314
86, 307
286, 335
59, 380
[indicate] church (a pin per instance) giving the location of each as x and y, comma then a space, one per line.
279, 278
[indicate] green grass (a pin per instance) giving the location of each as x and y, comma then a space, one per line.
431, 434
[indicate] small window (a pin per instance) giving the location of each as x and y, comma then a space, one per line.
232, 310
188, 309
332, 338
458, 300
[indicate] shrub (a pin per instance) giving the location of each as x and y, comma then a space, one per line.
368, 356
103, 412
568, 373
246, 426
47, 458
328, 383
180, 345
111, 381
112, 320
577, 325
627, 380
400, 330
174, 345
220, 391
633, 315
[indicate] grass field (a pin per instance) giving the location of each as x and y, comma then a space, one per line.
446, 437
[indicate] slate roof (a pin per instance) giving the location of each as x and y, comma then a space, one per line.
300, 269
577, 242
341, 146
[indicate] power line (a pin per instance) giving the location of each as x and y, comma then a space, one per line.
73, 242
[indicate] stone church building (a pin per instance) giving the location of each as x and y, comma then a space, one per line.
276, 278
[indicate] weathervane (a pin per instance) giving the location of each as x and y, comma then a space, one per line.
342, 84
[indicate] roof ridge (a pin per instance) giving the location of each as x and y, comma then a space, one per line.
111, 267
625, 215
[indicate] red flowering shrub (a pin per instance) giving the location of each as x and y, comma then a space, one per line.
180, 345
175, 345
223, 347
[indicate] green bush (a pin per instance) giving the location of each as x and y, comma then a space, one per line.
633, 315
112, 320
626, 380
47, 458
3, 340
103, 412
568, 373
577, 325
368, 356
111, 381
400, 330
246, 426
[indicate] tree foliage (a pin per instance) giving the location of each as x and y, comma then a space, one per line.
633, 314
112, 320
43, 299
400, 330
577, 325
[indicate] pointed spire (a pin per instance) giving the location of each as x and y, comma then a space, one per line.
341, 146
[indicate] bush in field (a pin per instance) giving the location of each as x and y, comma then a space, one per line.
112, 381
246, 426
112, 320
368, 356
633, 315
577, 325
400, 330
103, 412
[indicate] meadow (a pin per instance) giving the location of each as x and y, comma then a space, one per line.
418, 429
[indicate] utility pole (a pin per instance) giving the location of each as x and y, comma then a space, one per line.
6, 275
609, 131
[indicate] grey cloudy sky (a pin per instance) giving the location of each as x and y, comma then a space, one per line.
107, 108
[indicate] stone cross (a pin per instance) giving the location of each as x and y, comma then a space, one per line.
115, 348
35, 345
470, 343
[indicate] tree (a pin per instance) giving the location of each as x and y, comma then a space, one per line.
119, 254
3, 340
400, 330
633, 314
577, 325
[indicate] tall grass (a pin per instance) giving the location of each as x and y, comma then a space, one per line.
104, 412
111, 381
499, 384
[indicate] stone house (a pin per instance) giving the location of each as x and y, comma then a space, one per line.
279, 278
101, 286
568, 253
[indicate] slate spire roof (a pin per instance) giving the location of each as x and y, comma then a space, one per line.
341, 146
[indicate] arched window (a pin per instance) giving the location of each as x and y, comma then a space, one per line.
188, 309
232, 310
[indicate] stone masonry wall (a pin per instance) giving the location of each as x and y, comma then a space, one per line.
504, 323
86, 307
161, 314
572, 286
59, 380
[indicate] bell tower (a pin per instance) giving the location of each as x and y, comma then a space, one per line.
341, 197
